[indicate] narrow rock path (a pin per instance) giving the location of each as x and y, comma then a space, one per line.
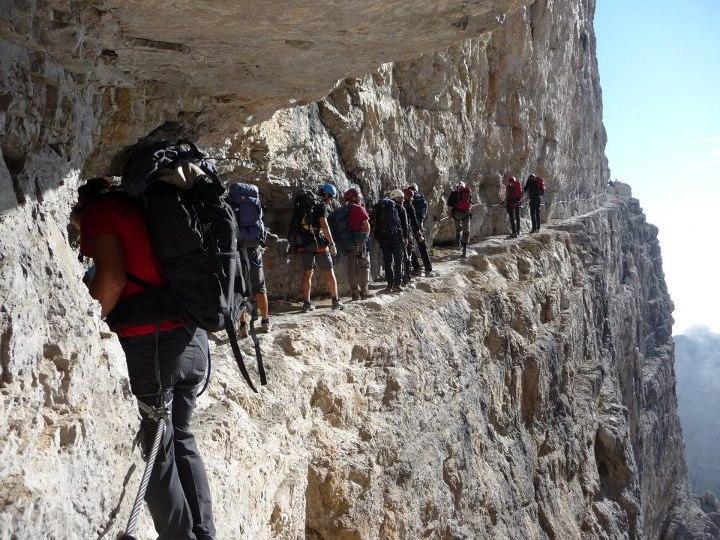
446, 260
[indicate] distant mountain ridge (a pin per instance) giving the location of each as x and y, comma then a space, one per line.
697, 368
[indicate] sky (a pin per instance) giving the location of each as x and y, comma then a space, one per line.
660, 75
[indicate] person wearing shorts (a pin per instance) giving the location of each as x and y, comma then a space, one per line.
252, 267
321, 257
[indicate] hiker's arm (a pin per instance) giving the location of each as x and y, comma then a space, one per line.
109, 280
326, 230
365, 226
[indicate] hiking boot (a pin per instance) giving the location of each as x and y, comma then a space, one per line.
431, 273
387, 289
356, 296
337, 304
364, 295
242, 332
307, 306
397, 288
264, 326
417, 272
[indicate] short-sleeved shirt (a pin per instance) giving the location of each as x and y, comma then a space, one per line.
320, 210
357, 215
315, 240
120, 216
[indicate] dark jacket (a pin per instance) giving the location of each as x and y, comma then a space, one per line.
412, 216
403, 220
533, 191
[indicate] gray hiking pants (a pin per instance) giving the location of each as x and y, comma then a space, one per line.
178, 494
358, 267
462, 225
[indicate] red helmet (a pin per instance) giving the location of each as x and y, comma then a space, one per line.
351, 194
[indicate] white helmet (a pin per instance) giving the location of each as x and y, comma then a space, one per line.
397, 194
460, 185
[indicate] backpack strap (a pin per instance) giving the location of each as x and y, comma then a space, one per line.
237, 353
229, 327
253, 318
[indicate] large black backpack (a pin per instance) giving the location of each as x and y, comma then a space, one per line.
194, 235
302, 234
386, 220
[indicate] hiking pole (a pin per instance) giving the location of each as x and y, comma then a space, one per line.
145, 480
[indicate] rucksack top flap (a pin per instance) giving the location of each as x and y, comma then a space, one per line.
239, 191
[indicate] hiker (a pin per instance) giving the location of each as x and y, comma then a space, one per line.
513, 200
390, 231
535, 189
461, 204
398, 197
420, 205
311, 238
244, 199
356, 249
113, 233
415, 221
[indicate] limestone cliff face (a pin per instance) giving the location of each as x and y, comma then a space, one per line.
495, 104
531, 392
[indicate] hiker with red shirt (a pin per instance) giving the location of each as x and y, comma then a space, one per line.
358, 258
513, 200
461, 204
114, 235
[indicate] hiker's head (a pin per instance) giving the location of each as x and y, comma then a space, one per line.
413, 186
397, 195
327, 192
531, 177
460, 185
407, 193
352, 195
509, 179
91, 190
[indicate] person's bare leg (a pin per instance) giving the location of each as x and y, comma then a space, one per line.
306, 283
261, 300
331, 283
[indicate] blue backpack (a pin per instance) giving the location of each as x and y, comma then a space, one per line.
244, 199
340, 228
386, 220
420, 205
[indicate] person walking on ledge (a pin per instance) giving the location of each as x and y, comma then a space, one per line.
416, 219
513, 200
460, 204
311, 238
358, 257
389, 231
535, 189
166, 361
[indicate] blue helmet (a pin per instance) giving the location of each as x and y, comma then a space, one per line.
329, 189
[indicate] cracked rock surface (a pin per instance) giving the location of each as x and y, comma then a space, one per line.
528, 392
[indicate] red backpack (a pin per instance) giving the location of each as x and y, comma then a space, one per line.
540, 183
514, 193
464, 199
